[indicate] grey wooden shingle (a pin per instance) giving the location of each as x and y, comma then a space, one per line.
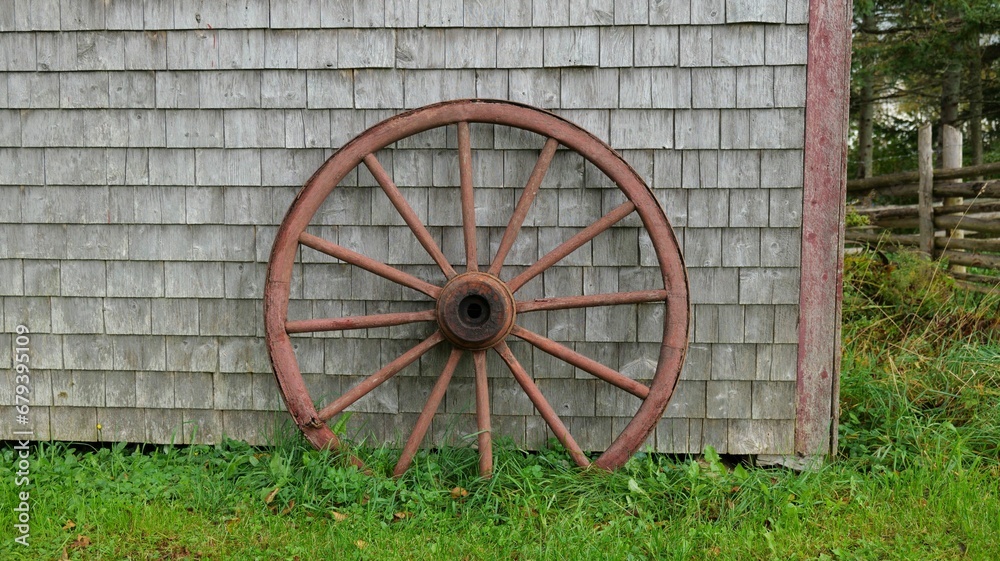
708, 12
139, 352
784, 363
671, 87
738, 45
440, 13
517, 13
797, 11
83, 278
761, 437
616, 46
247, 13
192, 50
280, 49
87, 352
697, 129
777, 128
790, 86
755, 86
378, 89
550, 14
132, 89
518, 48
318, 49
786, 326
748, 208
537, 87
669, 12
84, 90
229, 89
366, 48
739, 169
483, 13
254, 129
656, 46
769, 286
244, 355
177, 90
591, 12
635, 88
119, 389
78, 424
780, 247
422, 48
227, 167
242, 48
785, 208
713, 87
759, 326
741, 247
695, 46
30, 15
430, 86
41, 277
571, 46
740, 11
785, 44
728, 400
35, 313
470, 48
32, 90
708, 208
17, 52
773, 400
642, 129
127, 316
734, 361
145, 51
186, 129
589, 88
714, 285
81, 15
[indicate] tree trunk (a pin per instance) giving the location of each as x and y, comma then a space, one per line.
950, 90
976, 105
866, 146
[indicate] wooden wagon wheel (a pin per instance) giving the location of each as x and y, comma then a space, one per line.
476, 311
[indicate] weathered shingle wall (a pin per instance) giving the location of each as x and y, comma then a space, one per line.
149, 149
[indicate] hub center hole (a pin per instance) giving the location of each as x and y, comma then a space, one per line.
474, 310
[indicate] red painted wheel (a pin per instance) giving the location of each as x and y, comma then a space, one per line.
476, 311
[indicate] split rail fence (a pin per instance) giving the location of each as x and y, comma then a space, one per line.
951, 213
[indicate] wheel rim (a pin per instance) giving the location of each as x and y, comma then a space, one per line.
476, 311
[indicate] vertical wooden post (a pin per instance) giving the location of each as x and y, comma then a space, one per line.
926, 168
951, 157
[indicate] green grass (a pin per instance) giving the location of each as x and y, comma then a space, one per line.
918, 476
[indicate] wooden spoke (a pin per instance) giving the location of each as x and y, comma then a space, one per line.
523, 205
586, 364
409, 216
572, 244
483, 415
427, 414
376, 379
542, 405
591, 300
369, 264
468, 198
358, 322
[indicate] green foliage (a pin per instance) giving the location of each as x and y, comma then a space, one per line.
919, 379
911, 53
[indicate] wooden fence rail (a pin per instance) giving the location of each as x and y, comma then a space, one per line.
932, 212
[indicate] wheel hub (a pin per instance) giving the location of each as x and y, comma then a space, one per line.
475, 310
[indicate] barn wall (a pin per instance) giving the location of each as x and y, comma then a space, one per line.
148, 151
